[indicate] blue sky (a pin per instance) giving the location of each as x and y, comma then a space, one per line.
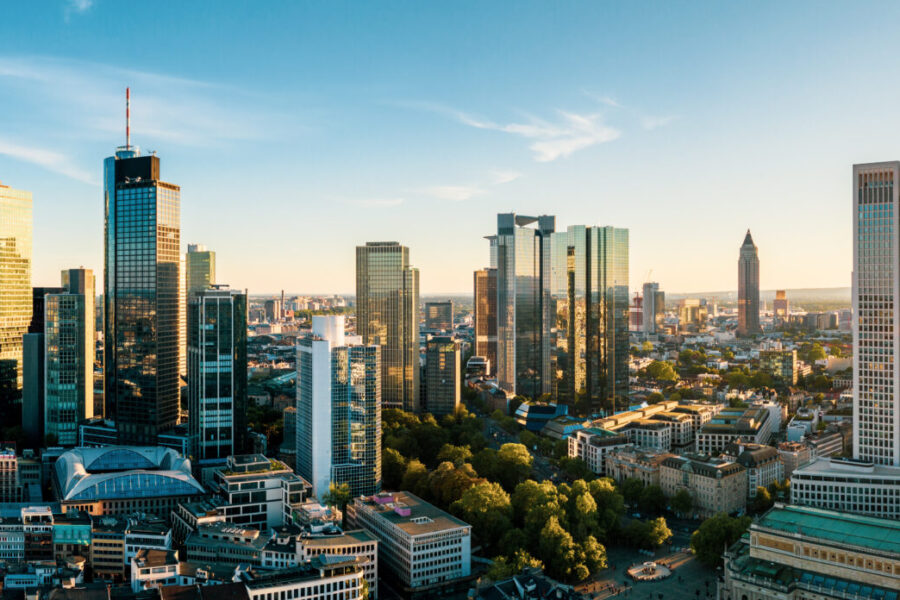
298, 130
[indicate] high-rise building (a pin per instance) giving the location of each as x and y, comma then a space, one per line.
217, 375
654, 305
523, 303
387, 315
201, 268
141, 289
443, 376
692, 314
781, 308
589, 289
182, 318
69, 356
439, 316
273, 311
486, 316
748, 288
33, 388
37, 307
338, 409
15, 294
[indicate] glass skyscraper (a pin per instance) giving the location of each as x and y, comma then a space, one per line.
69, 356
217, 374
654, 305
748, 288
141, 294
387, 315
486, 316
589, 291
15, 294
338, 409
523, 303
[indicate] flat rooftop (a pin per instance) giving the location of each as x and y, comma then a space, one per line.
880, 535
419, 517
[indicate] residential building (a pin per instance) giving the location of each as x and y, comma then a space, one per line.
37, 525
69, 357
592, 445
421, 547
748, 288
387, 315
628, 462
649, 434
217, 375
523, 304
339, 400
752, 425
848, 485
15, 293
762, 463
486, 317
258, 491
654, 307
141, 294
716, 485
439, 316
681, 429
589, 292
148, 532
71, 535
443, 376
801, 553
12, 539
188, 516
153, 569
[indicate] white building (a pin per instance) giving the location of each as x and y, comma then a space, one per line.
848, 485
592, 445
323, 578
359, 543
153, 568
423, 547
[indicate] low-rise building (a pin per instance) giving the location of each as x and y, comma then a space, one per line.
226, 542
108, 548
188, 516
12, 539
681, 426
422, 547
633, 463
848, 485
71, 535
752, 425
794, 455
763, 464
325, 577
650, 434
593, 444
716, 485
359, 543
153, 568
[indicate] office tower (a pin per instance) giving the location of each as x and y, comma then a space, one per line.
142, 254
439, 316
523, 303
69, 356
748, 288
654, 305
273, 311
692, 314
201, 268
781, 308
182, 318
589, 290
217, 374
387, 315
636, 313
338, 409
486, 317
37, 307
15, 294
443, 375
33, 388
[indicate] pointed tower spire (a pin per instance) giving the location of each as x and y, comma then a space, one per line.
748, 239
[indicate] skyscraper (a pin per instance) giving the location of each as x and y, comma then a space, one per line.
15, 294
141, 271
387, 315
654, 305
589, 290
486, 316
443, 376
748, 288
439, 316
201, 268
523, 303
217, 374
338, 409
781, 308
69, 356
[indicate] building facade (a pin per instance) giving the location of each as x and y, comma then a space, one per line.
783, 365
339, 401
141, 294
748, 288
200, 268
443, 376
387, 315
715, 485
258, 491
654, 308
486, 317
439, 316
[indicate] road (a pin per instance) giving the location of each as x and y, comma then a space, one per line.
541, 468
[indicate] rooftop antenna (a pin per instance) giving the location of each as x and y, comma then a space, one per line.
128, 118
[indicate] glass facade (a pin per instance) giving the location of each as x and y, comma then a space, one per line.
523, 303
69, 356
201, 268
486, 316
589, 293
217, 374
141, 278
443, 376
654, 306
15, 293
387, 315
439, 316
876, 407
748, 288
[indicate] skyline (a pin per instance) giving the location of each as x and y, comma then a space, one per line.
342, 108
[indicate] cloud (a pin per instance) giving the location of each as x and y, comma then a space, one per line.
79, 6
650, 123
50, 160
453, 193
501, 176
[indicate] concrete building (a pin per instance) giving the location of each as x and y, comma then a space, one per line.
339, 401
439, 316
716, 485
794, 455
781, 311
33, 388
800, 553
486, 317
751, 425
632, 463
323, 578
443, 376
258, 491
593, 444
359, 543
763, 464
230, 543
692, 315
654, 308
848, 485
421, 547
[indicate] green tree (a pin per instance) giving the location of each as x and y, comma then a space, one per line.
415, 476
337, 496
762, 502
556, 549
714, 535
393, 466
486, 463
631, 489
682, 502
487, 508
513, 465
658, 532
454, 454
505, 567
660, 371
652, 500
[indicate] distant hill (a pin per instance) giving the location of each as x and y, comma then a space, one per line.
839, 295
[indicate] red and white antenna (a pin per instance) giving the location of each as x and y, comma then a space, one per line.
128, 118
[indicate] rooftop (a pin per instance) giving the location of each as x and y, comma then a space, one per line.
410, 513
882, 535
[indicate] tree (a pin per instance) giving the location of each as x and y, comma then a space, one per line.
447, 483
714, 535
762, 502
454, 454
631, 489
682, 502
513, 465
486, 463
652, 500
647, 347
505, 567
486, 507
660, 371
658, 532
556, 549
393, 466
337, 496
416, 474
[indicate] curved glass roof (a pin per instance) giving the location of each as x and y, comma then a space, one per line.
135, 485
123, 459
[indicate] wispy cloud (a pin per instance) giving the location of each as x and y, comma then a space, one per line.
648, 122
453, 193
501, 176
76, 7
50, 160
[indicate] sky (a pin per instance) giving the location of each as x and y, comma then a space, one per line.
299, 130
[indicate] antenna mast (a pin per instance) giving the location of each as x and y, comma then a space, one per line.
128, 118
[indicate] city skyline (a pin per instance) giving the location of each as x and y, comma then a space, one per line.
358, 134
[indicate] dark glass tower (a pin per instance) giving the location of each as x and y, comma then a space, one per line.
141, 274
748, 288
